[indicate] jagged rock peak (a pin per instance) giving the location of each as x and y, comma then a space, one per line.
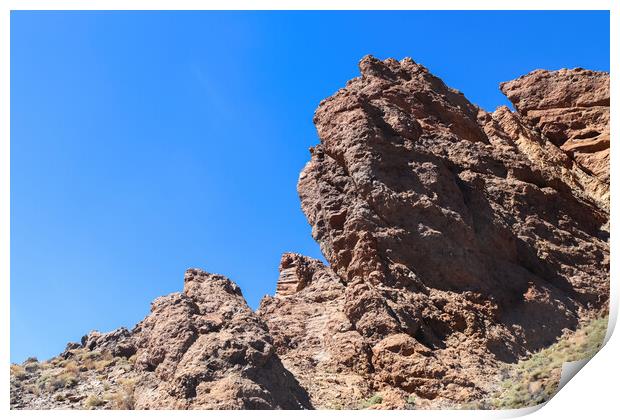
207, 349
200, 284
296, 272
203, 348
564, 88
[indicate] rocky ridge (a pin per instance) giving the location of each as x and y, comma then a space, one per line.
459, 242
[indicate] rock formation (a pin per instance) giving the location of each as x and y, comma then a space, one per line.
203, 348
207, 349
571, 109
458, 241
460, 235
313, 335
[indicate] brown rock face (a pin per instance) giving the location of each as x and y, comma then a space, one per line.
571, 109
468, 235
205, 348
313, 336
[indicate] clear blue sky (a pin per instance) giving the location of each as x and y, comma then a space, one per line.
144, 143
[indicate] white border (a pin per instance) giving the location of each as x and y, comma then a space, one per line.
592, 394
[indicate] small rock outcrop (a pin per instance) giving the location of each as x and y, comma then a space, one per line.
571, 109
459, 242
118, 343
205, 348
313, 336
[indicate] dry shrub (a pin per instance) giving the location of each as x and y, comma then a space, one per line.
18, 372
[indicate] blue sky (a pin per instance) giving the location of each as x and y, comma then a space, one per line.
144, 143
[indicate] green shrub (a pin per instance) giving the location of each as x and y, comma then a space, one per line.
52, 383
535, 380
374, 400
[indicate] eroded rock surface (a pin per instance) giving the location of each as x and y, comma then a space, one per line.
207, 349
203, 348
571, 109
463, 238
313, 336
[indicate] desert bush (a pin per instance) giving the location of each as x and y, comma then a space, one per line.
67, 379
93, 401
374, 400
123, 363
121, 400
101, 365
18, 372
63, 380
475, 405
45, 365
86, 358
125, 398
92, 355
132, 359
42, 381
53, 382
34, 390
71, 367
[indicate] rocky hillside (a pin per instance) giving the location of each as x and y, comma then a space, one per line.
459, 242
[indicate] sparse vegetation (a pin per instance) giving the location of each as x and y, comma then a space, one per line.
132, 359
66, 380
475, 405
535, 380
105, 381
374, 400
121, 401
71, 367
529, 382
122, 398
53, 382
101, 365
93, 401
125, 399
124, 363
34, 390
18, 372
